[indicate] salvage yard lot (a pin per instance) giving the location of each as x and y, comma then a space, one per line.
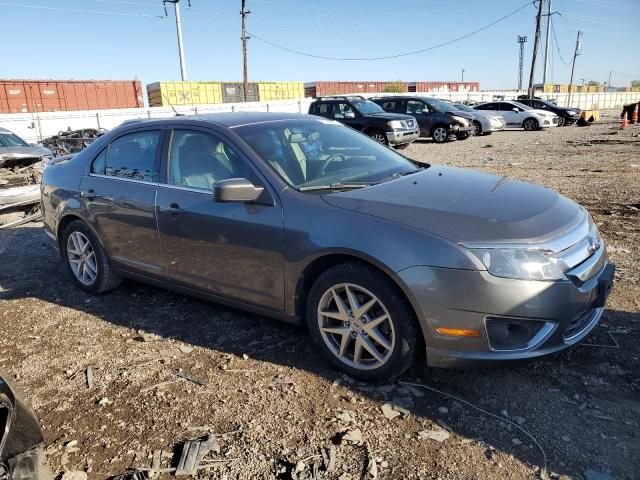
275, 405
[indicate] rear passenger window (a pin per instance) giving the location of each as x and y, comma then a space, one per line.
389, 106
416, 108
133, 156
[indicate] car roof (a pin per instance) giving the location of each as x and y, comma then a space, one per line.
227, 119
4, 130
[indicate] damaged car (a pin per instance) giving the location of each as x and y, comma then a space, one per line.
21, 167
22, 453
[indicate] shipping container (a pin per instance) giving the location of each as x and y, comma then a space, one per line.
319, 89
22, 96
164, 94
233, 92
268, 91
443, 87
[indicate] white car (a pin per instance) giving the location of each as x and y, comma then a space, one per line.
518, 115
485, 122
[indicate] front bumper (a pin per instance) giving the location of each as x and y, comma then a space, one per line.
464, 299
493, 127
400, 137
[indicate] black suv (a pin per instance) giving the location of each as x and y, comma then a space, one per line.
566, 116
437, 119
363, 115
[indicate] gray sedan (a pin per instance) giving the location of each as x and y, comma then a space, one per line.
306, 220
484, 124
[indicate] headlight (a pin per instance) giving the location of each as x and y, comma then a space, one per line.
461, 121
572, 112
519, 263
395, 124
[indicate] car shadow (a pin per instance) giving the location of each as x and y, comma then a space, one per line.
563, 412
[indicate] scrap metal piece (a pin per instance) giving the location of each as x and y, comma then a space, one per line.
192, 454
180, 374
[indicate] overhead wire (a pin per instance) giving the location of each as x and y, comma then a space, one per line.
398, 55
555, 39
76, 10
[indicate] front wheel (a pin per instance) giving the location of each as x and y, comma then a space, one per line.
379, 136
440, 134
477, 128
530, 124
561, 121
86, 260
362, 323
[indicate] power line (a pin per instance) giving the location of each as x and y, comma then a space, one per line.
555, 38
74, 10
398, 55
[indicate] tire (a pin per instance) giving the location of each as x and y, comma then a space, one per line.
97, 276
396, 338
379, 136
440, 134
478, 126
561, 122
530, 124
402, 146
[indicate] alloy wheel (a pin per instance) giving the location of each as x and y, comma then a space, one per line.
82, 258
440, 134
379, 137
356, 326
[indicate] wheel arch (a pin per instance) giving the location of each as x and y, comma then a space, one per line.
66, 220
373, 128
320, 264
530, 118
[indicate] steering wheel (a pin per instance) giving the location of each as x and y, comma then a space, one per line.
331, 158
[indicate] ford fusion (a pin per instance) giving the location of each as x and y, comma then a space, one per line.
306, 220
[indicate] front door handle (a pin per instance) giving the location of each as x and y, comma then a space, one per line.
173, 210
89, 194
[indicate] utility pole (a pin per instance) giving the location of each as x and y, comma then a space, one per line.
462, 76
176, 7
521, 40
610, 72
245, 83
535, 47
546, 45
576, 52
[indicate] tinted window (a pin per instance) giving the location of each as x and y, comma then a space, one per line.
133, 156
389, 105
416, 108
99, 163
341, 109
323, 109
199, 160
486, 106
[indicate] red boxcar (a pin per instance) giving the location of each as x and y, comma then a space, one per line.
22, 96
319, 89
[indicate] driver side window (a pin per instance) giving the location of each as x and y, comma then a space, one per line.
416, 108
340, 110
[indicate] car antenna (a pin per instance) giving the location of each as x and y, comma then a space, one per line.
172, 107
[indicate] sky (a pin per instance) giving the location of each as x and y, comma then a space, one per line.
136, 39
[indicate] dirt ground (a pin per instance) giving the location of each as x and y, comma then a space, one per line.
276, 408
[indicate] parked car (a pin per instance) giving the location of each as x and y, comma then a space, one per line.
566, 116
437, 119
299, 218
483, 124
367, 117
21, 166
22, 454
518, 115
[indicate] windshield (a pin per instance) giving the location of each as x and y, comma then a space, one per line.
522, 106
463, 107
313, 153
440, 106
367, 107
8, 139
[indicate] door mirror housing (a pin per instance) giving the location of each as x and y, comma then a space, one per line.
515, 109
349, 114
238, 190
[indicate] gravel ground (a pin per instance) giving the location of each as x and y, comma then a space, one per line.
279, 412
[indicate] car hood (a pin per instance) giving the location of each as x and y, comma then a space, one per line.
462, 114
466, 206
18, 153
544, 113
391, 116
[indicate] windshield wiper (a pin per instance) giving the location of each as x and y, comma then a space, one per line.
400, 174
334, 186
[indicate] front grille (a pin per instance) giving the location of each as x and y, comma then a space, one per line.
578, 324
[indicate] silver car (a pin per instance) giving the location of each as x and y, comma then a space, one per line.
485, 123
304, 219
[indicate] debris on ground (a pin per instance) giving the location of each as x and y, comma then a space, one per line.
437, 435
72, 141
193, 452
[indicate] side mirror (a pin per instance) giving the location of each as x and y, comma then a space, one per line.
236, 190
349, 114
515, 109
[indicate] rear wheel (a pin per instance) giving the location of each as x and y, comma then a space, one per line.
440, 134
362, 323
379, 136
86, 260
530, 124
